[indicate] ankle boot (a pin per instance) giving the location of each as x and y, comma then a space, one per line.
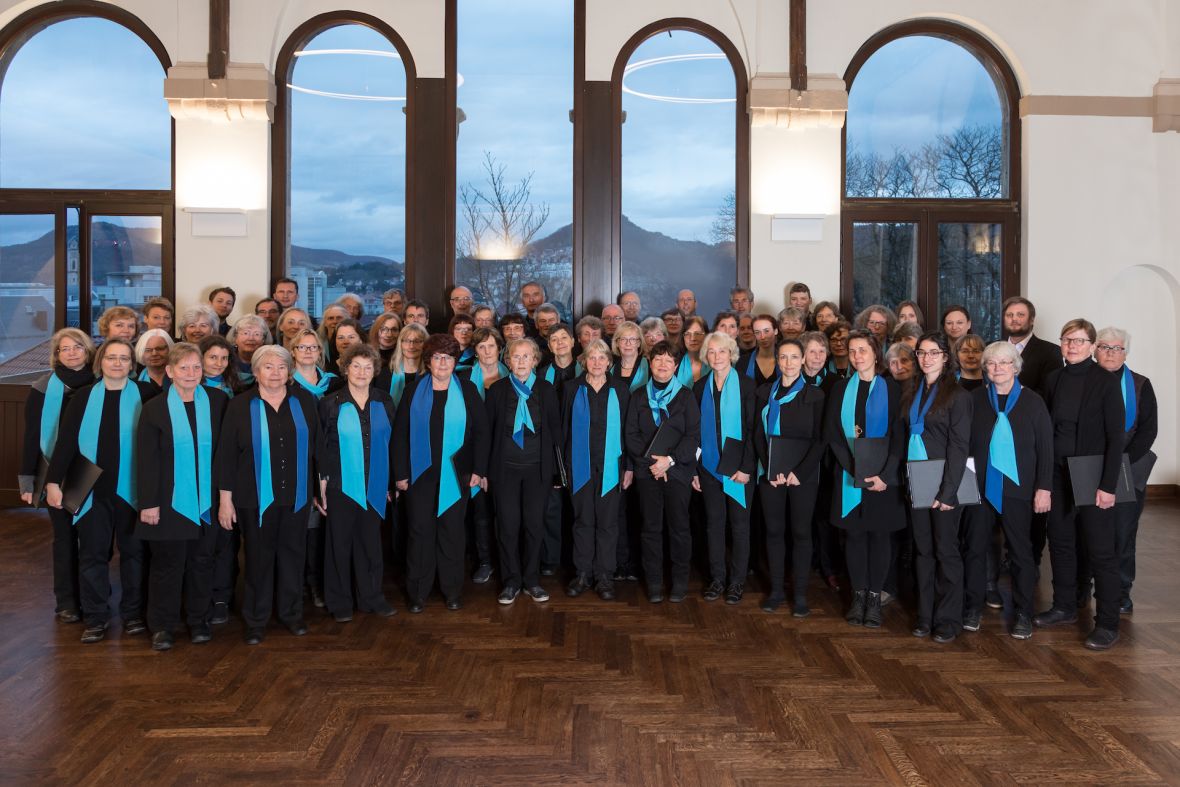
856, 613
873, 610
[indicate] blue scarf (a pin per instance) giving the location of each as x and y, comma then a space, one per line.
193, 469
219, 383
752, 365
731, 428
352, 455
523, 418
477, 378
397, 386
144, 377
466, 358
684, 371
130, 404
260, 435
772, 411
917, 446
1001, 450
876, 424
454, 428
245, 371
550, 372
659, 400
1130, 404
640, 375
55, 392
580, 441
318, 389
831, 369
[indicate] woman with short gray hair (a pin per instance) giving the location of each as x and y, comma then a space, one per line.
197, 322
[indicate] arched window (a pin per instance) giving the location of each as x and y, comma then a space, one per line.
86, 200
339, 223
931, 206
683, 174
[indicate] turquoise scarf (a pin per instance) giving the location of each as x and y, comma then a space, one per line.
659, 400
731, 428
1001, 448
219, 384
918, 411
771, 412
580, 441
454, 429
641, 374
523, 418
318, 389
260, 435
876, 425
130, 405
684, 371
1130, 404
55, 392
352, 455
477, 378
397, 386
193, 469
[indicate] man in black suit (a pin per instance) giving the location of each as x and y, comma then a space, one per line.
1039, 356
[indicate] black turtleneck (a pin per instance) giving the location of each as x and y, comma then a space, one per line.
1067, 406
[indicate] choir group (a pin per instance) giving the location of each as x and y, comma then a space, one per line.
881, 453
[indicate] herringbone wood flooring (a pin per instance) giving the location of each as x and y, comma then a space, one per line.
582, 691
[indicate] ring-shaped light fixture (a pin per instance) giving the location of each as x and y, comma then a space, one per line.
639, 65
351, 96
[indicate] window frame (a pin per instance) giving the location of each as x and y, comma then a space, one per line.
928, 213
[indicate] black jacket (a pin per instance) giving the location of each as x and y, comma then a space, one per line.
597, 433
683, 420
1146, 427
472, 456
34, 412
946, 435
747, 391
1100, 419
546, 414
801, 419
1040, 359
1032, 436
329, 448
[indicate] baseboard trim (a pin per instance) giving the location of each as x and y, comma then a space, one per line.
1162, 490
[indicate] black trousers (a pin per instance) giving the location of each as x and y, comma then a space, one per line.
1069, 523
1126, 529
827, 556
313, 566
938, 563
225, 561
520, 524
434, 544
788, 508
556, 519
1016, 522
352, 550
722, 510
868, 553
109, 520
628, 548
664, 505
275, 553
596, 528
479, 511
66, 593
975, 540
181, 570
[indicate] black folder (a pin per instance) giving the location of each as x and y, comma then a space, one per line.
664, 442
1085, 473
730, 460
1140, 470
869, 456
784, 454
926, 479
79, 483
39, 480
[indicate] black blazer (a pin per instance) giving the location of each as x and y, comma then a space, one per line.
947, 435
1143, 433
472, 456
157, 469
684, 419
1100, 420
1032, 435
34, 411
1040, 359
747, 391
801, 419
546, 414
568, 392
329, 448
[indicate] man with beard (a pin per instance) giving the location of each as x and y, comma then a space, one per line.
1039, 356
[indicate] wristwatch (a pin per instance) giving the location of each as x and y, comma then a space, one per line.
671, 462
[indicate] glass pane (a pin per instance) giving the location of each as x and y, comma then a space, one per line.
970, 258
926, 119
884, 263
124, 262
678, 223
73, 275
26, 294
348, 168
515, 150
82, 108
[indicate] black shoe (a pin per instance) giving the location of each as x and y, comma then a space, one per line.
508, 595
455, 604
482, 574
220, 613
68, 616
944, 634
254, 636
800, 609
342, 617
993, 598
971, 620
887, 598
537, 593
655, 596
200, 634
1022, 628
134, 626
384, 610
1055, 617
856, 613
548, 571
630, 576
873, 610
1126, 606
677, 595
92, 634
714, 590
162, 640
921, 630
1101, 639
772, 602
416, 606
605, 589
733, 595
297, 627
579, 586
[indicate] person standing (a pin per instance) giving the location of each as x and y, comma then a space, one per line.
1039, 357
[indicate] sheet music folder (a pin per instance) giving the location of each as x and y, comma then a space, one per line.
79, 483
785, 454
1085, 473
926, 478
869, 455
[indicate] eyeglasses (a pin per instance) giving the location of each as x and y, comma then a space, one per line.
928, 353
999, 365
1074, 342
441, 357
1112, 348
876, 323
307, 348
628, 340
461, 300
413, 342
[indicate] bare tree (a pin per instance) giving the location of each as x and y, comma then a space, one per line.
724, 229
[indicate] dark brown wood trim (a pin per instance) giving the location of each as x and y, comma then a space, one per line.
218, 57
741, 140
439, 301
1160, 491
798, 44
579, 168
26, 25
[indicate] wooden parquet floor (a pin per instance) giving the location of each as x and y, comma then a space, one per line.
586, 692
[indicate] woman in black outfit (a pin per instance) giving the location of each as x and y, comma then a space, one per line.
866, 405
264, 469
70, 354
663, 482
1087, 409
937, 413
356, 458
100, 421
759, 364
525, 423
726, 401
561, 368
440, 454
1014, 481
177, 508
792, 409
